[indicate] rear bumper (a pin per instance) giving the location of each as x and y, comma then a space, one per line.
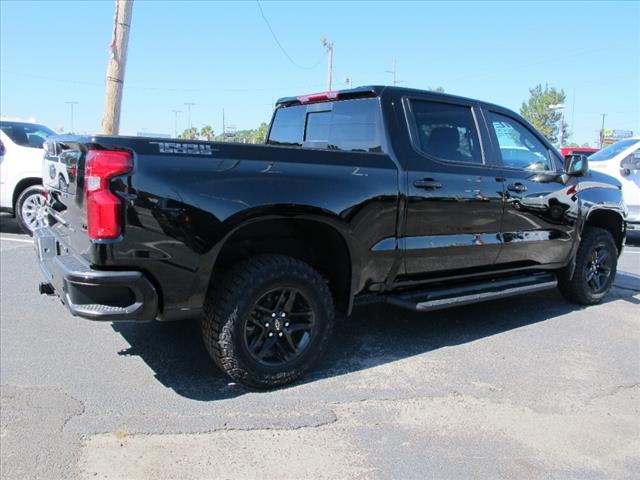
90, 293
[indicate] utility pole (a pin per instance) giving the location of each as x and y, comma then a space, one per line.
189, 105
349, 81
602, 130
71, 104
175, 122
329, 46
223, 132
393, 72
116, 67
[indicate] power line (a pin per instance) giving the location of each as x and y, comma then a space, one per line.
273, 34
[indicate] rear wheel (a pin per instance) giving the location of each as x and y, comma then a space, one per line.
267, 320
30, 208
596, 264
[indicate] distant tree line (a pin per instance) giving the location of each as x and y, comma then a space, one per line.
256, 135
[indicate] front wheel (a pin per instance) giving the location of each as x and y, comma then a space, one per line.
596, 264
267, 320
31, 209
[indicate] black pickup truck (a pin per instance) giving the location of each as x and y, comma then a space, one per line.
419, 199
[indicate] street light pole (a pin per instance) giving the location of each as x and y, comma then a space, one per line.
71, 104
175, 122
189, 105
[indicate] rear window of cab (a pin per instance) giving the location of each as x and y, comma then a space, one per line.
347, 125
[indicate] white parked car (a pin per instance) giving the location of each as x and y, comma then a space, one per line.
622, 161
21, 155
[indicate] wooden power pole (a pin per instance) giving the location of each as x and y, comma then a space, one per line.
329, 46
116, 67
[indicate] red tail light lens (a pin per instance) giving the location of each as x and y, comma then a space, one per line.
103, 207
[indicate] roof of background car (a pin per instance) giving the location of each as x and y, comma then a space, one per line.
18, 122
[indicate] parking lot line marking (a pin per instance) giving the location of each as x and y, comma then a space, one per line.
22, 240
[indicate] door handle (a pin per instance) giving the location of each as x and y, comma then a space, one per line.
427, 184
517, 187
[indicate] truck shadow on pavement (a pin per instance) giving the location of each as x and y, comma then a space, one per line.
8, 224
374, 335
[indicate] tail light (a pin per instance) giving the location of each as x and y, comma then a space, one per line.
318, 97
103, 207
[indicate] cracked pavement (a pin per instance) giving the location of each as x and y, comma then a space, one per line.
528, 387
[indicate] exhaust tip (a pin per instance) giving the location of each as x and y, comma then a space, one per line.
46, 289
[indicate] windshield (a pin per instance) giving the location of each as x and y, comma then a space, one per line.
26, 134
611, 151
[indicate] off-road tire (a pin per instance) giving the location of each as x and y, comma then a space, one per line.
231, 299
575, 288
20, 201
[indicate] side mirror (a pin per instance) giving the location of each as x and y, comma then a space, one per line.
576, 165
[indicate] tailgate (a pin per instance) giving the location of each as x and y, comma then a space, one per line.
63, 174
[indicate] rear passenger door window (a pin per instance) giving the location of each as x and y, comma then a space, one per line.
518, 146
446, 131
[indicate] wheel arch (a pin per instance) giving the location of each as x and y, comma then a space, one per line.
21, 186
609, 220
318, 241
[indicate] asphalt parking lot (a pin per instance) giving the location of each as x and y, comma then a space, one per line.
530, 387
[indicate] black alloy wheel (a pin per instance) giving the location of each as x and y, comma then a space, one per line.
595, 268
598, 269
267, 320
280, 327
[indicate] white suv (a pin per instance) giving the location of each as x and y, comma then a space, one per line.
21, 155
622, 161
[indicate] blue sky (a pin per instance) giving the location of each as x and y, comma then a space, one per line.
222, 55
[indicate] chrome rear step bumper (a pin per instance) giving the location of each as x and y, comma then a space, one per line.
90, 293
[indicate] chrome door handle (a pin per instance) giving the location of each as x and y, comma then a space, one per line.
516, 187
427, 184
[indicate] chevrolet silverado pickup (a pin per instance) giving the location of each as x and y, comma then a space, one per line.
419, 199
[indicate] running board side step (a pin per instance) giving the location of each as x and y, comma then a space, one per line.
436, 299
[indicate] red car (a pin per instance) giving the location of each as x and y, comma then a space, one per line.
581, 150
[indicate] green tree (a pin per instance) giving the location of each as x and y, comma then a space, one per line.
207, 133
190, 134
261, 133
435, 89
546, 120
